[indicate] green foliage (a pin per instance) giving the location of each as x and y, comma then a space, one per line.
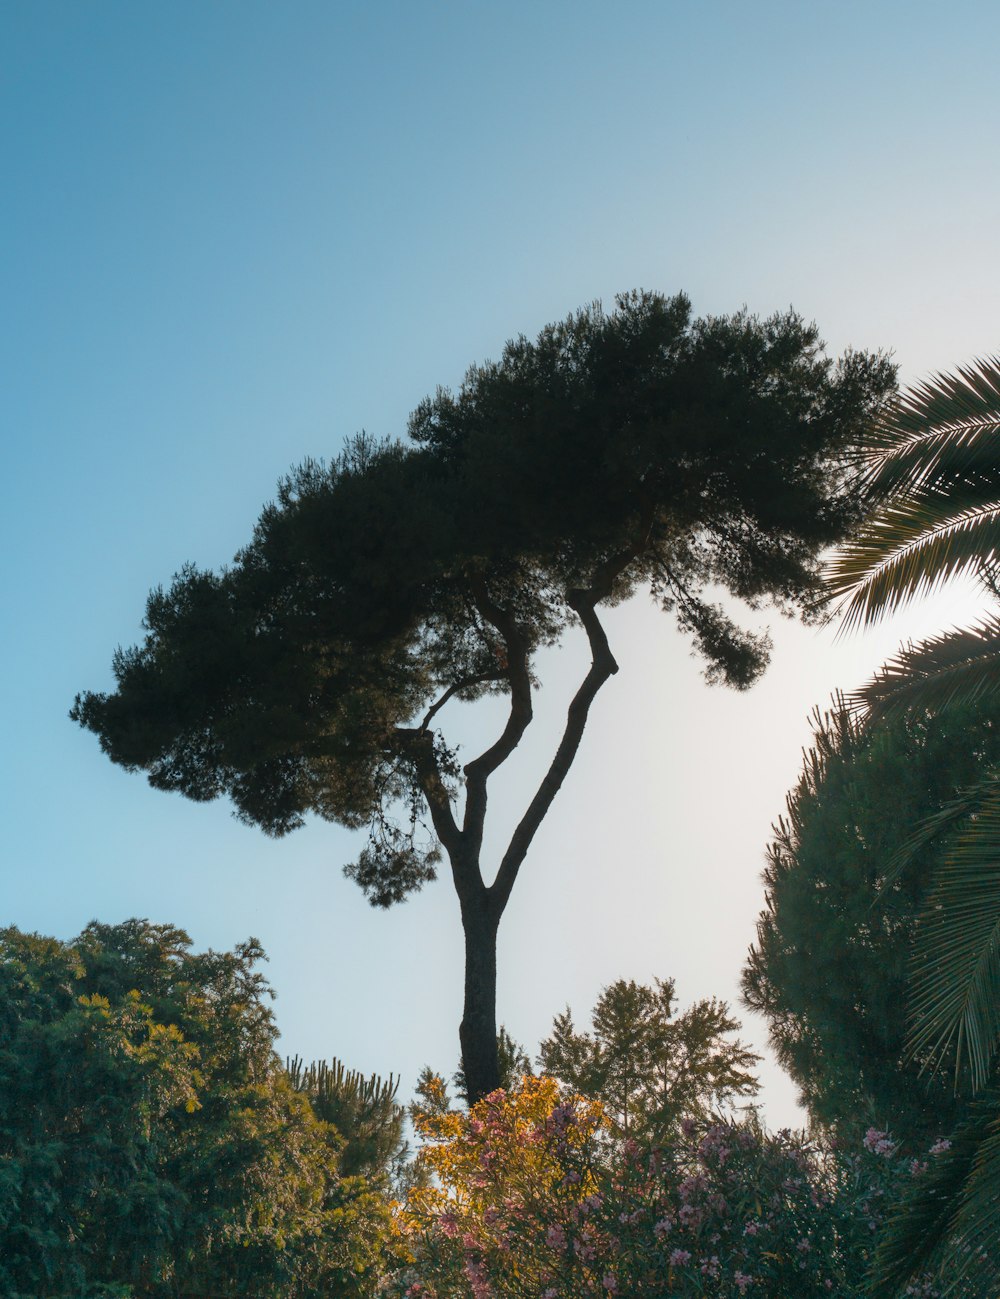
950, 1220
648, 1067
935, 468
363, 1111
150, 1142
831, 963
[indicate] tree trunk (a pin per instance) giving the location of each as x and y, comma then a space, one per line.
478, 1031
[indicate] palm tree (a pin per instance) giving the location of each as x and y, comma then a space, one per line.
934, 470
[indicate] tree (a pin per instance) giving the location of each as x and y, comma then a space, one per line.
623, 450
150, 1141
363, 1111
935, 470
830, 965
648, 1067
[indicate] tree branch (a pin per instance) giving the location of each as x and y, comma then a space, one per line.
602, 667
479, 770
418, 745
454, 689
583, 601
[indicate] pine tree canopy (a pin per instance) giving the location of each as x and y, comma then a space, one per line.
624, 450
618, 450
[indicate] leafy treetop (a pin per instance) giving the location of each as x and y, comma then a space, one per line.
618, 450
650, 1067
151, 1142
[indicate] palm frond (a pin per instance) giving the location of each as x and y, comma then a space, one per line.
968, 397
940, 458
944, 822
912, 548
956, 961
934, 472
976, 1250
952, 1214
934, 469
958, 667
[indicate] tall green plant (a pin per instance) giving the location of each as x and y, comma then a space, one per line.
831, 962
936, 473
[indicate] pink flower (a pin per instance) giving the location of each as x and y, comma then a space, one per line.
610, 1282
940, 1146
878, 1142
679, 1257
476, 1273
555, 1237
561, 1118
742, 1280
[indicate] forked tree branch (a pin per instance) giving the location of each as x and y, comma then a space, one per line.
479, 770
464, 856
602, 667
583, 602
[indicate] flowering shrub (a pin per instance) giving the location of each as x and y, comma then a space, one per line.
516, 1167
532, 1198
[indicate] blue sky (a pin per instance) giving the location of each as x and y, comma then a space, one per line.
234, 234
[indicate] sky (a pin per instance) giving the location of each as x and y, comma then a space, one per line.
235, 234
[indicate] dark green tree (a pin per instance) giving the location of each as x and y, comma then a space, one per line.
635, 449
648, 1066
150, 1141
830, 966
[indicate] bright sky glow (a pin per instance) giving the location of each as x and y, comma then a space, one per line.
235, 233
